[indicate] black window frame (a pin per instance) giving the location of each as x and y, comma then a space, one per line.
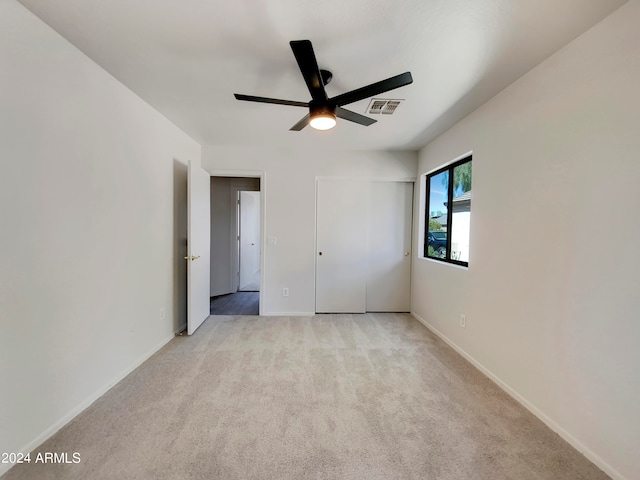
427, 213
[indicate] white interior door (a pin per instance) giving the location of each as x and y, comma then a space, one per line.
390, 207
249, 233
341, 235
198, 246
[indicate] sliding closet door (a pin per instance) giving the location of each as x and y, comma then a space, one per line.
341, 254
389, 246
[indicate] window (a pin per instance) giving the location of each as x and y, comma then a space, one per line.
448, 213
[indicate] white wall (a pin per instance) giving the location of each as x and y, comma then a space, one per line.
290, 180
552, 293
93, 228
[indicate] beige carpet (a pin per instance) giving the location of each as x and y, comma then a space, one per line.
373, 396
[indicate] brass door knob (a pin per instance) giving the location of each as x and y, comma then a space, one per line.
192, 257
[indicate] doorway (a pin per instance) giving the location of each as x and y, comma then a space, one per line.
236, 213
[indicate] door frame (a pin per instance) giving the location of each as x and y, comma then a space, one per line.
234, 226
261, 174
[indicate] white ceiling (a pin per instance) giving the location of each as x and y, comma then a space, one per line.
187, 57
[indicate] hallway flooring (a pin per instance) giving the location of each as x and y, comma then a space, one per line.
239, 303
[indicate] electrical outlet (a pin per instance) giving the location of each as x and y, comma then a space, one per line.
463, 320
162, 313
285, 292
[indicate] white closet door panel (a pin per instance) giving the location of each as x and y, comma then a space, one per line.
389, 246
341, 259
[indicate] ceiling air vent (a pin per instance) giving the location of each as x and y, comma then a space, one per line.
382, 106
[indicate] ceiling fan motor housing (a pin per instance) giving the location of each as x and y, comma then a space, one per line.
321, 109
322, 115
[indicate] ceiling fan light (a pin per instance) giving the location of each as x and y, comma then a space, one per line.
323, 121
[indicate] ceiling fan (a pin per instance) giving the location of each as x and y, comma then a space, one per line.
323, 110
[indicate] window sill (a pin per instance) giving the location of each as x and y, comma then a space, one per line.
447, 264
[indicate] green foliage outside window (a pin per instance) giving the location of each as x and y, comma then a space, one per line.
434, 225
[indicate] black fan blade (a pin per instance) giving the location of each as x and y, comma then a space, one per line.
301, 124
251, 98
303, 51
354, 117
373, 89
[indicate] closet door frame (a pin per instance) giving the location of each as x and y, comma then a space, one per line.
323, 286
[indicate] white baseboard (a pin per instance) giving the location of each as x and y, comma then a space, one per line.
288, 314
78, 409
570, 439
